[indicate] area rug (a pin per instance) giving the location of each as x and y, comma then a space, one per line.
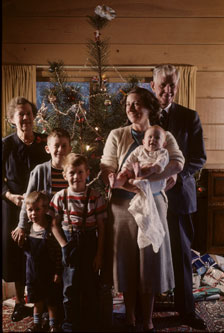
165, 320
9, 326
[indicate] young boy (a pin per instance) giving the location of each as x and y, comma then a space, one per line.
46, 176
43, 261
151, 155
82, 255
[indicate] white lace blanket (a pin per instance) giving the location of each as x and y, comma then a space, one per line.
144, 210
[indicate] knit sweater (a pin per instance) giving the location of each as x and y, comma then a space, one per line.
119, 142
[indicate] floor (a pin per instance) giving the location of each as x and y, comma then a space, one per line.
164, 318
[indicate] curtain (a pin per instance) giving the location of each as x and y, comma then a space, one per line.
16, 81
186, 94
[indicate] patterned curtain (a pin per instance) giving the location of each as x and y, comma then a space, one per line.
186, 94
16, 81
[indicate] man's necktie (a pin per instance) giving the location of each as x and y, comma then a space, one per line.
164, 119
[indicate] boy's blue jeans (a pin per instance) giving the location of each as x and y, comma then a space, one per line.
80, 283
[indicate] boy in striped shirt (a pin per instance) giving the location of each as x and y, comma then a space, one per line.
82, 255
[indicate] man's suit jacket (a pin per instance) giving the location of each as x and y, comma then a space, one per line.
185, 125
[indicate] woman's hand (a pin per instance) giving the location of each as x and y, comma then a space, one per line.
171, 181
146, 171
130, 187
17, 199
18, 235
112, 179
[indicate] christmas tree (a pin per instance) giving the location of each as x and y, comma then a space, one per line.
63, 105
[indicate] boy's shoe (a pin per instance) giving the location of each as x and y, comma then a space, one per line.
45, 324
67, 327
34, 328
53, 328
19, 312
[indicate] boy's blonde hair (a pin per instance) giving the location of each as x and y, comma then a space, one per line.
75, 160
58, 133
36, 196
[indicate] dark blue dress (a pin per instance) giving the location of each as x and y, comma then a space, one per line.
18, 160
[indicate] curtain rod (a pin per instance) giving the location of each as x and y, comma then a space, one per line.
109, 67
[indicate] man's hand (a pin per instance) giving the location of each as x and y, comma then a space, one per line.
18, 235
171, 181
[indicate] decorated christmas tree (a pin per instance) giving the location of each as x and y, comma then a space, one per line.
63, 104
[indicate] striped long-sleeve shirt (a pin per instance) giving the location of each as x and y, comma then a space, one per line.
75, 202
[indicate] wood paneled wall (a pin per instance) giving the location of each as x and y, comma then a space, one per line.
144, 33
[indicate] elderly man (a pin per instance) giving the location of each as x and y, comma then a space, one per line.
185, 125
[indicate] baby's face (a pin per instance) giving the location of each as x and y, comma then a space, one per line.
154, 139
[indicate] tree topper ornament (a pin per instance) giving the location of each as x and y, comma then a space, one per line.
105, 12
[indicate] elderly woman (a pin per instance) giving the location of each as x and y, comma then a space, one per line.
21, 152
137, 271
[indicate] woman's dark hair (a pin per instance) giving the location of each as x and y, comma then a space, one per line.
149, 101
19, 101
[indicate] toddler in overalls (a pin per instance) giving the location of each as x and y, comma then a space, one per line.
79, 228
43, 261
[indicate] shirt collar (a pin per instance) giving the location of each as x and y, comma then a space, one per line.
167, 108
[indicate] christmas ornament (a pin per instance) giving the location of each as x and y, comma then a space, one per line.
98, 139
52, 98
81, 120
107, 102
97, 35
105, 12
123, 92
71, 98
74, 108
103, 88
201, 189
104, 78
95, 79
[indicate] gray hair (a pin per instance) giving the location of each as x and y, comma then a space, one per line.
19, 100
165, 70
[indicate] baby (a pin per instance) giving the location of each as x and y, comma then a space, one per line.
151, 154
